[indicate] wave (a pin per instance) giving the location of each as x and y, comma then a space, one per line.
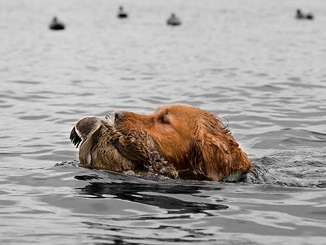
286, 169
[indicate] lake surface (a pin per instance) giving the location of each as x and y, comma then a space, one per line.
250, 62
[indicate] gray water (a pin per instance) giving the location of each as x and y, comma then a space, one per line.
250, 62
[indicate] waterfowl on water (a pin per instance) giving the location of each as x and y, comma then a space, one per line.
173, 20
56, 24
302, 16
122, 14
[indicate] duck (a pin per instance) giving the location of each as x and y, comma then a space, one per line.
173, 20
122, 14
56, 25
302, 16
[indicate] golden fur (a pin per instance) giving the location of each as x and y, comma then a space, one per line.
193, 141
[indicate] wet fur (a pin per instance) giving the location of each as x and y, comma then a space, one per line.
177, 140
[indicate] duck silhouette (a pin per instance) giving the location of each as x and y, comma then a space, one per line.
121, 13
302, 16
173, 20
56, 25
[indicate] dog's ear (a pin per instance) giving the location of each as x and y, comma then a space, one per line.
213, 147
219, 153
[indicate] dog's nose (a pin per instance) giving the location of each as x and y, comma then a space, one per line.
118, 116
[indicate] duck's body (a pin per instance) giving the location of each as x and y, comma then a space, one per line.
122, 14
56, 25
173, 20
302, 16
101, 146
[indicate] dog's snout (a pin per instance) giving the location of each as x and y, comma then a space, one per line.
118, 116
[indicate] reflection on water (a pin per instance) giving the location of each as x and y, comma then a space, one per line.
96, 206
131, 192
253, 64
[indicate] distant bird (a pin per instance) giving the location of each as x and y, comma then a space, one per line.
56, 25
122, 14
173, 20
302, 16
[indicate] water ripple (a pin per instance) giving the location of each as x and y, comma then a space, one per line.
265, 79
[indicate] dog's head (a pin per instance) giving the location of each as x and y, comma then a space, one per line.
190, 138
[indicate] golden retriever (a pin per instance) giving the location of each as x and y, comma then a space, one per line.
177, 140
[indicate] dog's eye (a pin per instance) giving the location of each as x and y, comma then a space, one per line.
163, 119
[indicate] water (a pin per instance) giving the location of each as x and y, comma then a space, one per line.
250, 62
